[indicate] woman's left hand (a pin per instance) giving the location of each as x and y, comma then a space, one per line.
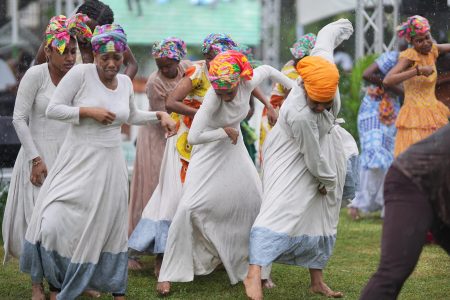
272, 115
167, 123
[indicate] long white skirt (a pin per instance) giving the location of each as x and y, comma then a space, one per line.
150, 235
77, 237
22, 195
297, 225
221, 199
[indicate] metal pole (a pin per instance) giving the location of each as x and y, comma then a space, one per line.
58, 7
379, 30
14, 22
69, 7
359, 38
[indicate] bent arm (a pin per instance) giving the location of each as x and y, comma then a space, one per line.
26, 95
61, 106
174, 102
306, 134
399, 73
131, 66
330, 36
443, 48
200, 133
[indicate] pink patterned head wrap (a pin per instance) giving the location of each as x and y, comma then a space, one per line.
227, 68
109, 38
413, 26
171, 47
60, 29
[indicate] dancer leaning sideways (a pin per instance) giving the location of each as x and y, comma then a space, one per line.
304, 171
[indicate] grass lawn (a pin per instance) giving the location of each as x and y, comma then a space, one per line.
354, 260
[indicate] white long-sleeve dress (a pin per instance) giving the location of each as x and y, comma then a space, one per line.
77, 238
222, 193
297, 225
39, 136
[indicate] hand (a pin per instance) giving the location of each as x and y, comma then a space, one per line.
232, 134
101, 115
38, 172
426, 70
272, 115
167, 123
322, 189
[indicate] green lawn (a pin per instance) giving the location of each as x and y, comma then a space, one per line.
355, 259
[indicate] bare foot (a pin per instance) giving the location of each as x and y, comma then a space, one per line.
268, 283
323, 289
253, 288
37, 291
158, 263
119, 297
92, 293
133, 264
53, 295
353, 212
163, 288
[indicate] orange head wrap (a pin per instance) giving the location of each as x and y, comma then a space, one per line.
320, 77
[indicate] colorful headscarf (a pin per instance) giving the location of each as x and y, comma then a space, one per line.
171, 47
60, 29
247, 51
77, 26
218, 42
109, 38
413, 26
320, 77
227, 68
303, 46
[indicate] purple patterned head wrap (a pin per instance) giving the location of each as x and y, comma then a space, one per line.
109, 38
171, 47
218, 42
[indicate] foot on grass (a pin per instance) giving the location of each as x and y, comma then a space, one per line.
92, 293
268, 283
37, 291
163, 288
253, 288
353, 212
324, 290
134, 264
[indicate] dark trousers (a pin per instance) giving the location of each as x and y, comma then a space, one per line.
408, 217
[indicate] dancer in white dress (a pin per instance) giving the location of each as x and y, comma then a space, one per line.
77, 236
303, 172
222, 193
41, 138
150, 234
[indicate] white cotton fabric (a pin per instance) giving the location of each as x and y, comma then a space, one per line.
39, 137
81, 210
305, 150
222, 192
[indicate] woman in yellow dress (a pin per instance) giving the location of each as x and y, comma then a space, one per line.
421, 114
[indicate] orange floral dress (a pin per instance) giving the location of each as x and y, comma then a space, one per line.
200, 84
421, 114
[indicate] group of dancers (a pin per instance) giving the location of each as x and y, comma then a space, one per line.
66, 209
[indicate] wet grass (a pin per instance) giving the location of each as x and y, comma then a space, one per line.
355, 259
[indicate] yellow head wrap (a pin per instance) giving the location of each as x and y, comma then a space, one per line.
320, 77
